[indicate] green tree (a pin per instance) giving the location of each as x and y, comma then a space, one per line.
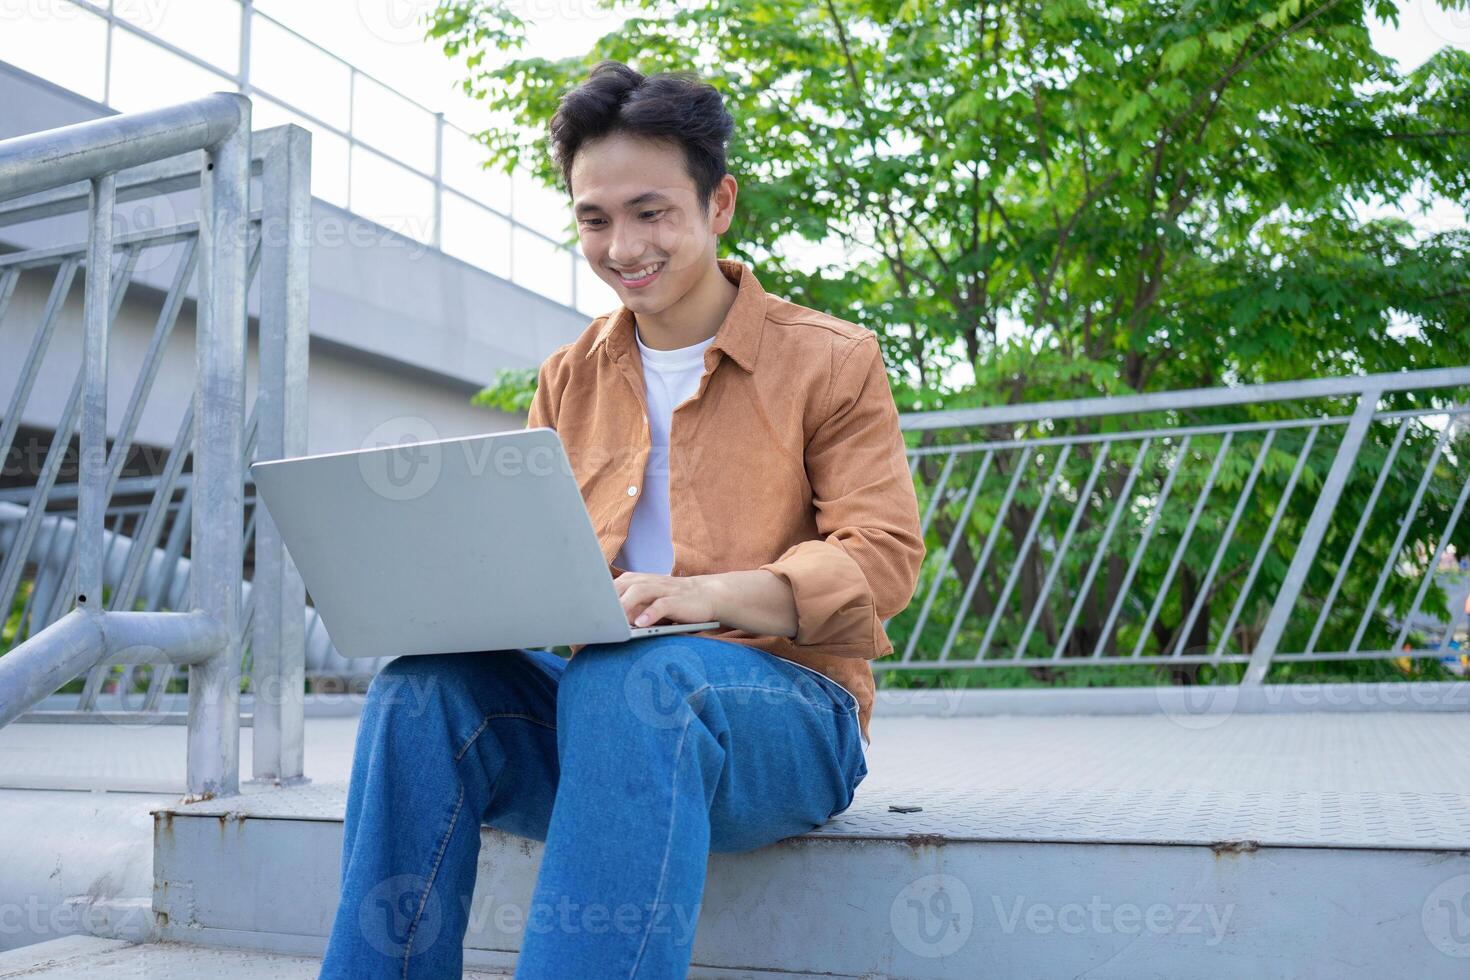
1073, 198
1098, 181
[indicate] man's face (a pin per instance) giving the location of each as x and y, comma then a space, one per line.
640, 221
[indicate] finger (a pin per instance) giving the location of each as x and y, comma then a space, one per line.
636, 602
637, 594
651, 614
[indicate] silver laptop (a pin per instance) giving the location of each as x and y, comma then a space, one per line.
454, 545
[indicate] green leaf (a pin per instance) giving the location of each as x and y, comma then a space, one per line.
1180, 54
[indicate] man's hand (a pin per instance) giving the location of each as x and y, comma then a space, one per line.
755, 601
679, 598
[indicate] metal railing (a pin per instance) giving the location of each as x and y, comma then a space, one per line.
1255, 525
1252, 526
572, 286
132, 694
112, 572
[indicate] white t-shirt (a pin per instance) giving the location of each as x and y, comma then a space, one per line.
670, 377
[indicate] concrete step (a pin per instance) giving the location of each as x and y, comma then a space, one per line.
1261, 845
1178, 844
87, 956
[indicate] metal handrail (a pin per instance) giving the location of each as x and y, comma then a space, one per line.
204, 637
42, 161
1188, 398
1023, 444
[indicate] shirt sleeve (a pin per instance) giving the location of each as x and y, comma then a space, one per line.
548, 394
865, 567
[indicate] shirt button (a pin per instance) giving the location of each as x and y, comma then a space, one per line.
632, 491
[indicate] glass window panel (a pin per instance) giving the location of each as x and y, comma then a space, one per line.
476, 235
462, 171
146, 76
299, 73
392, 195
208, 29
392, 124
548, 211
542, 267
329, 152
594, 297
59, 42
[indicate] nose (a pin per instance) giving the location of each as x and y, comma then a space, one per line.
629, 244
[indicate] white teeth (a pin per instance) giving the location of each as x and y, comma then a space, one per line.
642, 273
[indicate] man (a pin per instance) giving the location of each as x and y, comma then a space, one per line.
741, 460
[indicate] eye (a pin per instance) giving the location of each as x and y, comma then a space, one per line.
647, 215
592, 222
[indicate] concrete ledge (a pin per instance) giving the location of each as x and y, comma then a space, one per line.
919, 909
1176, 701
75, 956
55, 954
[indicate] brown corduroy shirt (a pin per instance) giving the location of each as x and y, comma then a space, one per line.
787, 458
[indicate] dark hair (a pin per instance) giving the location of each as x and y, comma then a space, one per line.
674, 106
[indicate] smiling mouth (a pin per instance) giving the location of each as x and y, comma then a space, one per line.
641, 276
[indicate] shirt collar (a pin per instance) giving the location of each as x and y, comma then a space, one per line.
738, 336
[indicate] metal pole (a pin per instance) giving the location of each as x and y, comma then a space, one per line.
107, 60
219, 405
1312, 535
247, 21
351, 130
92, 503
48, 660
438, 236
278, 637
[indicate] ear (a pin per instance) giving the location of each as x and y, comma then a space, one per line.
722, 205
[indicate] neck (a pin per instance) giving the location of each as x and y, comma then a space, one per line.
696, 316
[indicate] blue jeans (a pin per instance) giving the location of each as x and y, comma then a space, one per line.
632, 761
